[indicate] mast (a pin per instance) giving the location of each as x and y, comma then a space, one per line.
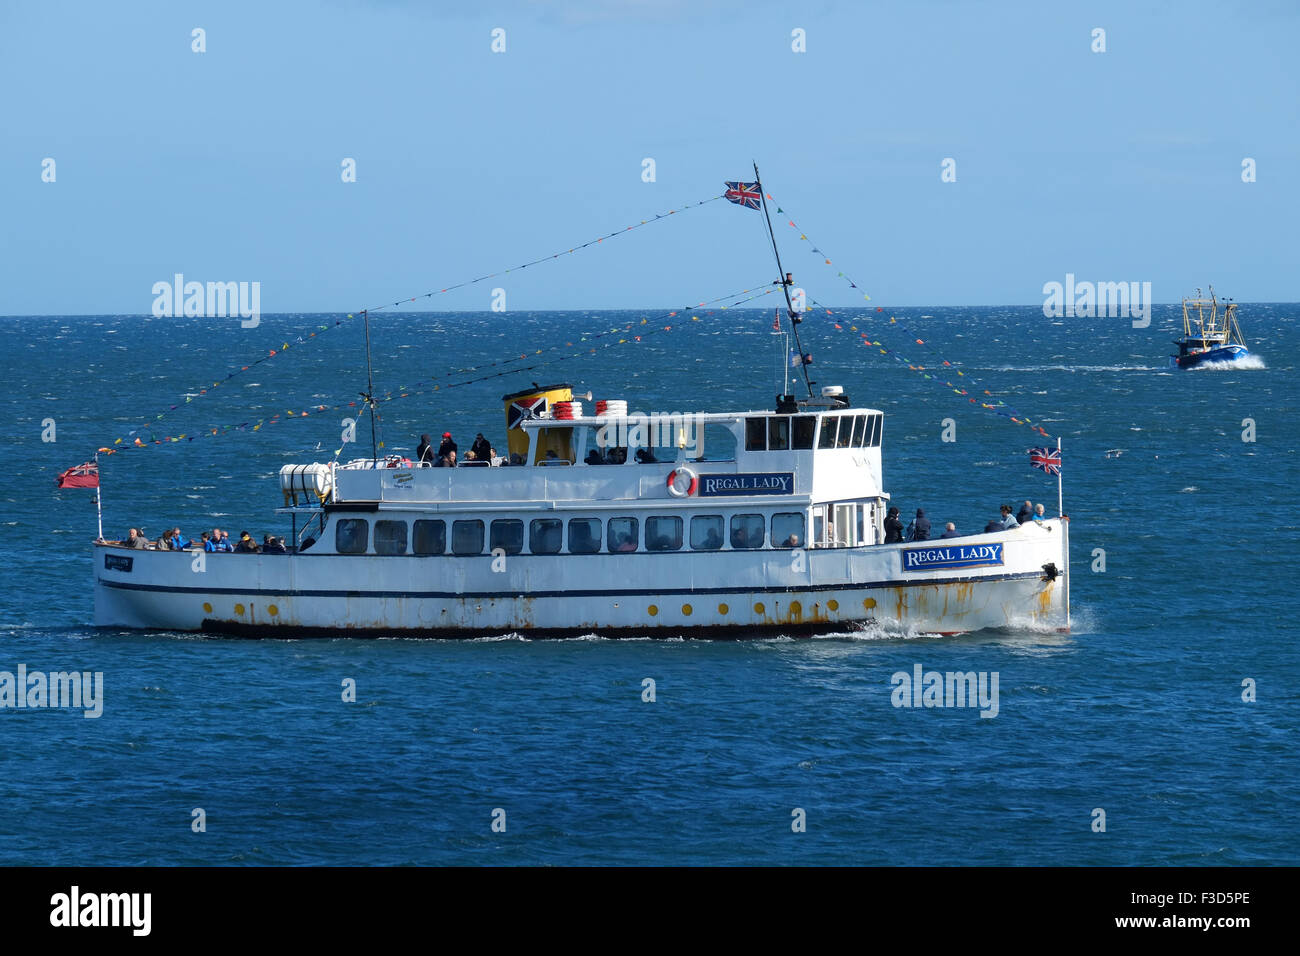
785, 283
369, 395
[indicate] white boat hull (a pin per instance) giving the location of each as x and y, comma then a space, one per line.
720, 594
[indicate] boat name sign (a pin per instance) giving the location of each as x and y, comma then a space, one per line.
952, 556
768, 483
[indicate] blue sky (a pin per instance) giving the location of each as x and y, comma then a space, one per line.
225, 165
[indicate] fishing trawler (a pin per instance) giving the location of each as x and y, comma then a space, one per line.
617, 523
1210, 336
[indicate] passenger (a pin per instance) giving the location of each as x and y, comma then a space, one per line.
1008, 519
246, 544
424, 454
137, 540
712, 540
225, 543
625, 543
617, 456
594, 458
893, 527
645, 456
516, 458
551, 458
918, 529
791, 542
481, 448
446, 446
1026, 513
447, 461
740, 539
273, 545
950, 531
470, 458
494, 458
205, 541
993, 525
1038, 513
164, 543
179, 541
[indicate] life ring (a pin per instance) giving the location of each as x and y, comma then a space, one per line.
691, 487
397, 461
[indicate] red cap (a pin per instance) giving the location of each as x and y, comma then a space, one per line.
446, 434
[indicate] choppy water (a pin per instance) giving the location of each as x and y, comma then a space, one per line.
1137, 712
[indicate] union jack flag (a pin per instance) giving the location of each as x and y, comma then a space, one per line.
744, 194
79, 476
1048, 459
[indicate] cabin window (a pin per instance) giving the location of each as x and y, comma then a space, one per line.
755, 434
804, 428
467, 537
508, 535
827, 439
846, 432
663, 533
787, 530
351, 535
706, 533
859, 430
716, 443
622, 534
545, 535
778, 433
390, 537
877, 426
429, 537
584, 535
747, 531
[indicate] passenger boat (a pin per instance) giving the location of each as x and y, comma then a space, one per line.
1210, 336
707, 524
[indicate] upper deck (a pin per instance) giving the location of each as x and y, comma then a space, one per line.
806, 454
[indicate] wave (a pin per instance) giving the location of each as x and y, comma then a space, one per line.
1249, 363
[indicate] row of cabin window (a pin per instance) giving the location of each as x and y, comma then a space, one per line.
662, 533
783, 433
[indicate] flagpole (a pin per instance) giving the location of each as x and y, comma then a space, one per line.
1060, 501
99, 494
785, 286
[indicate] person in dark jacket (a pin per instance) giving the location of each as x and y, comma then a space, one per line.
918, 529
993, 525
1026, 513
950, 531
893, 527
447, 445
424, 453
482, 448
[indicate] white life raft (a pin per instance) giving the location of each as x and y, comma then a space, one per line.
305, 480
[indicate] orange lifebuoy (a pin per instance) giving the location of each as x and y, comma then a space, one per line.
693, 483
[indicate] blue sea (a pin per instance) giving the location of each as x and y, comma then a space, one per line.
1184, 532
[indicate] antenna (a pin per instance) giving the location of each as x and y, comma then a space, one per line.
786, 280
369, 395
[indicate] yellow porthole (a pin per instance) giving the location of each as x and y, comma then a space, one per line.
723, 609
796, 609
868, 603
653, 609
833, 604
272, 610
759, 608
239, 609
686, 609
207, 608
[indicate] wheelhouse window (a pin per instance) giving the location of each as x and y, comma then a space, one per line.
805, 426
706, 533
755, 434
846, 432
746, 531
508, 535
429, 537
787, 530
877, 426
859, 430
663, 533
467, 537
390, 537
545, 535
622, 534
778, 433
584, 535
827, 439
351, 535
